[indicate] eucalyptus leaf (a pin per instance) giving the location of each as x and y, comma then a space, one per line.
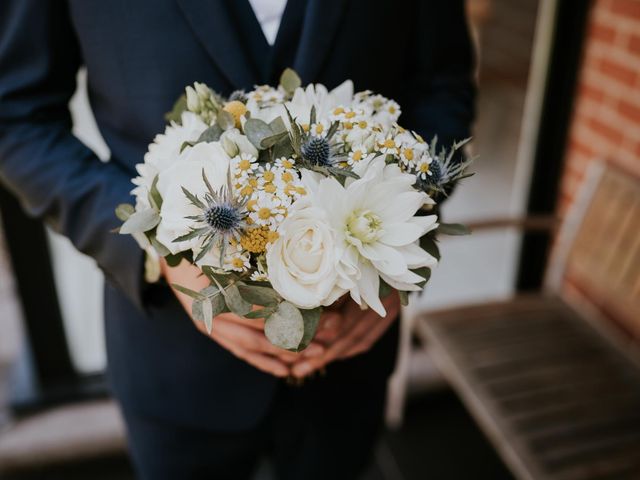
258, 295
140, 221
207, 313
175, 115
290, 80
404, 298
187, 291
277, 125
155, 199
256, 130
273, 139
124, 211
234, 300
211, 134
285, 327
225, 120
453, 229
261, 313
160, 248
311, 319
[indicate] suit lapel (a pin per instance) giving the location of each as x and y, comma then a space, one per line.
321, 23
217, 32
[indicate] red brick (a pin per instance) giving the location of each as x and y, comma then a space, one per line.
631, 112
591, 92
626, 8
615, 70
604, 129
601, 32
634, 43
581, 147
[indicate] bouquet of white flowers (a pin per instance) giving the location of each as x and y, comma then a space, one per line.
288, 198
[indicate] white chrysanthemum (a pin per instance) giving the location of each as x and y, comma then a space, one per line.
374, 217
324, 101
186, 173
164, 151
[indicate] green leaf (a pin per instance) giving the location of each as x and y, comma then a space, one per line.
234, 300
206, 310
193, 199
312, 116
173, 260
342, 172
155, 199
258, 295
290, 80
140, 221
261, 313
256, 131
187, 291
124, 211
225, 120
384, 289
424, 272
285, 327
453, 229
160, 248
273, 139
176, 111
277, 125
311, 319
404, 298
428, 244
192, 234
211, 134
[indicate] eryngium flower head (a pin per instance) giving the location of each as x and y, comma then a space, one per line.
317, 151
222, 218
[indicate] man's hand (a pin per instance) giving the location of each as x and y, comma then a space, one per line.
347, 332
242, 337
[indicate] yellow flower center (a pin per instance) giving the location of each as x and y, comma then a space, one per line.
237, 109
287, 164
287, 177
244, 164
338, 111
424, 167
362, 124
319, 129
357, 155
350, 114
255, 240
251, 204
269, 188
246, 190
389, 143
253, 182
347, 125
237, 263
268, 176
408, 153
264, 213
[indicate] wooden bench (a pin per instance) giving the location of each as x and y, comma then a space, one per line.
552, 384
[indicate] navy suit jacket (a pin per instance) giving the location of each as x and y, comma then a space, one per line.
140, 54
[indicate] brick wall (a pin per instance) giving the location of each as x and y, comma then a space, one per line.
606, 118
606, 121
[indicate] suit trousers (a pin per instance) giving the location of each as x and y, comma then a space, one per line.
323, 429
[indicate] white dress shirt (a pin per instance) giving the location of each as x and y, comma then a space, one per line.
269, 14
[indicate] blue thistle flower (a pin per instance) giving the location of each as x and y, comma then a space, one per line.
317, 151
222, 218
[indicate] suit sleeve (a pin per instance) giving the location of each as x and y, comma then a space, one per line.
441, 89
54, 175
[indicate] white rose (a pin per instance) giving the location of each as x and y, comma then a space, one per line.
187, 173
302, 261
235, 143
